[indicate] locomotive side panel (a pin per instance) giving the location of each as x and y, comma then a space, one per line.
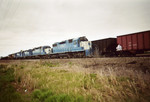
36, 51
27, 53
42, 50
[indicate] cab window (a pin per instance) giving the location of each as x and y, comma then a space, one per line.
83, 39
70, 41
54, 45
63, 42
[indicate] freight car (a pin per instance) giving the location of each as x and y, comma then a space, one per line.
104, 47
133, 44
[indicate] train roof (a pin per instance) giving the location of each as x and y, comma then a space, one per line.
27, 50
41, 46
104, 39
134, 33
70, 39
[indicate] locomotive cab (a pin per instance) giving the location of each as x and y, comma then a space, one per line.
48, 50
86, 45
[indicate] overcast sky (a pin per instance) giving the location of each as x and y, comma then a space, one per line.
25, 24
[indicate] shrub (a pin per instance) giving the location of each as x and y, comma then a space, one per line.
49, 96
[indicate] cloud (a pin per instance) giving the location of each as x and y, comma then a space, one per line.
31, 23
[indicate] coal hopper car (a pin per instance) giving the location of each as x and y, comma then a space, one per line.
104, 47
134, 44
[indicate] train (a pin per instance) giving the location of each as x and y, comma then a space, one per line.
124, 45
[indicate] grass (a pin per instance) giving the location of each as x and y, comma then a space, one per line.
76, 80
49, 96
7, 91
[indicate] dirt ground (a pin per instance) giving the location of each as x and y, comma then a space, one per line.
122, 63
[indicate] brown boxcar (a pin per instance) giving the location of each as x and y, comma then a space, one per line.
105, 46
136, 42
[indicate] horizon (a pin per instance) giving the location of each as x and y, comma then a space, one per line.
33, 23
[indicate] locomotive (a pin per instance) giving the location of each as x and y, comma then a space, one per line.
124, 45
72, 48
78, 47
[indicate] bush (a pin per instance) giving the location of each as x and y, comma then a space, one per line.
49, 96
49, 64
7, 91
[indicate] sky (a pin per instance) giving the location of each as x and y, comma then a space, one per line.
25, 24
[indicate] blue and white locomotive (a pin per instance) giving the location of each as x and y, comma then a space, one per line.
38, 52
27, 53
42, 50
18, 54
78, 47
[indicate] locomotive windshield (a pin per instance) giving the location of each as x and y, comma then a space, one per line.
83, 39
63, 42
54, 45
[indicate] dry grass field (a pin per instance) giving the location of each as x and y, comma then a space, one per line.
76, 80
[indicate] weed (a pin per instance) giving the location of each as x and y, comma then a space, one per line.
63, 71
8, 94
49, 64
21, 67
7, 91
3, 66
49, 96
19, 79
70, 64
112, 80
93, 76
121, 79
8, 75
